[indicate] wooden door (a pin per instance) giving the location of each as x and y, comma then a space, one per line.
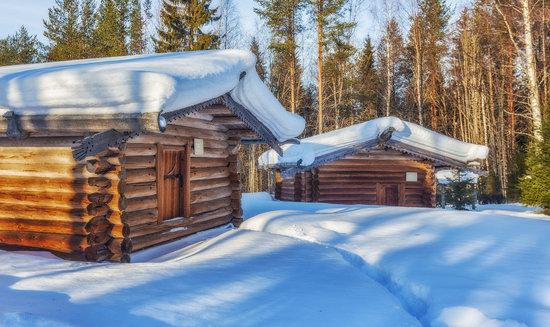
391, 195
173, 182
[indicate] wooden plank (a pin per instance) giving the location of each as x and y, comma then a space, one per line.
187, 181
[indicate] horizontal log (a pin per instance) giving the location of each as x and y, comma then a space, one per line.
198, 162
58, 214
195, 133
198, 123
138, 217
140, 149
139, 190
349, 197
53, 199
210, 194
202, 207
53, 171
161, 237
140, 162
54, 155
209, 173
96, 225
138, 176
51, 141
212, 153
209, 184
59, 184
49, 241
137, 204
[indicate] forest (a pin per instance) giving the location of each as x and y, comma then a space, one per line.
480, 75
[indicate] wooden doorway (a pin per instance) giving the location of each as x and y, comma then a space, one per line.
173, 182
389, 195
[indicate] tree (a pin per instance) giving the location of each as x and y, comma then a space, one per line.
365, 83
20, 48
182, 26
535, 182
87, 27
138, 21
63, 30
110, 34
260, 62
389, 59
459, 191
283, 18
229, 27
328, 17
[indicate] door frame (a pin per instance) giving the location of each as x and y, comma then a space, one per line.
185, 171
381, 192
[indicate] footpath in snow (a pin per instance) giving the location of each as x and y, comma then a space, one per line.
239, 278
446, 267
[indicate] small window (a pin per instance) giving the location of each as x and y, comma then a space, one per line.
411, 176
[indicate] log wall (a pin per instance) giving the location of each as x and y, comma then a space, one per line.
361, 179
105, 207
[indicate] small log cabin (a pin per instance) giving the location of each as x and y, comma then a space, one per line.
384, 161
102, 158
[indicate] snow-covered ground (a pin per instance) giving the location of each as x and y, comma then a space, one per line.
446, 267
331, 265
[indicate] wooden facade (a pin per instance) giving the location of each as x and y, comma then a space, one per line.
140, 189
375, 176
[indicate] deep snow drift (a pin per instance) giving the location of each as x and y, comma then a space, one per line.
447, 267
240, 278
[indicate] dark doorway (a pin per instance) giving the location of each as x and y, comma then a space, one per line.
391, 195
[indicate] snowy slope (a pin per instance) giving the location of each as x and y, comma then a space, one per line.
240, 278
407, 133
144, 83
448, 268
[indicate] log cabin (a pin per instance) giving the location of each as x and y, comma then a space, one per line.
102, 158
385, 161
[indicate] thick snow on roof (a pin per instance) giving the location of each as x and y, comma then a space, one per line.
144, 83
406, 133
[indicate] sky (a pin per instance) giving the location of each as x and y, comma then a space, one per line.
14, 13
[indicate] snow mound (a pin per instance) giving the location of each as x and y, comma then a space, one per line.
314, 147
467, 317
144, 83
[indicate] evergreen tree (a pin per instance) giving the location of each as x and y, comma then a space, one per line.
365, 83
260, 64
459, 192
182, 24
63, 30
138, 21
535, 184
20, 48
284, 19
88, 25
109, 35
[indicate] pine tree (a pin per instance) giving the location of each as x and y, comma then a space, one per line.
182, 24
63, 30
284, 19
260, 64
389, 61
365, 83
88, 25
459, 191
138, 21
20, 48
109, 35
535, 183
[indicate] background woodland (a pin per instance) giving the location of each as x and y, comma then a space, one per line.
480, 75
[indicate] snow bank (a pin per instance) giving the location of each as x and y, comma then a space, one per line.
239, 278
144, 83
447, 267
406, 133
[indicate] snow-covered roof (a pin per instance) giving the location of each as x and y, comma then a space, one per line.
405, 136
144, 84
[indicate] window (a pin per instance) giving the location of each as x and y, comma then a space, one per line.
173, 182
411, 176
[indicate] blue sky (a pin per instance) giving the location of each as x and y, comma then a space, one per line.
14, 13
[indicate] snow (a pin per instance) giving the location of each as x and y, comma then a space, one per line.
144, 83
305, 264
406, 133
446, 267
238, 278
